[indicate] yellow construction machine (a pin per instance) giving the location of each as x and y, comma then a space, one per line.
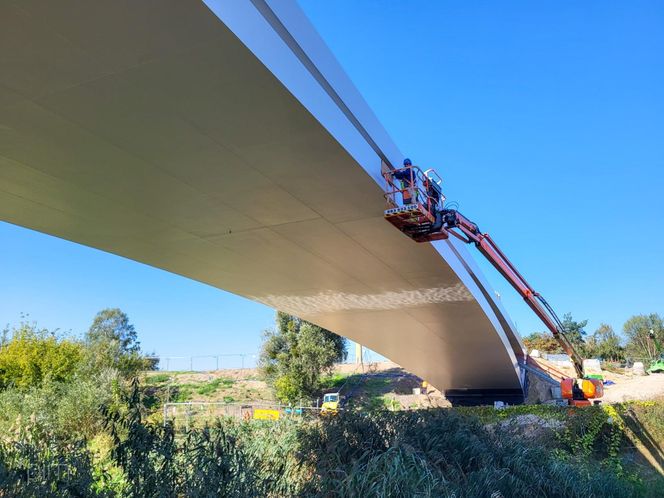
330, 405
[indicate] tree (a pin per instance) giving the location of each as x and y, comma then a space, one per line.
604, 343
639, 343
112, 325
113, 343
34, 355
575, 333
542, 341
296, 354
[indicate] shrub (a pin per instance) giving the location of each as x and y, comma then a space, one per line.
34, 355
65, 411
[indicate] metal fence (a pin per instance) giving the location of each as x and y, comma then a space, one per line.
209, 362
189, 413
204, 363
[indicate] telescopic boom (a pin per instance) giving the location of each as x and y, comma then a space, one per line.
417, 209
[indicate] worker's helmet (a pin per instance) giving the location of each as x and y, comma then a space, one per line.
406, 162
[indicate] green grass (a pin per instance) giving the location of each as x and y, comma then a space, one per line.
182, 393
488, 414
185, 392
333, 381
157, 378
376, 385
383, 402
424, 453
211, 387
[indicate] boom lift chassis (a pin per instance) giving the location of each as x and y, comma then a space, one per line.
416, 206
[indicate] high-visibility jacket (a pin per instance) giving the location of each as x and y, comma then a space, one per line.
408, 190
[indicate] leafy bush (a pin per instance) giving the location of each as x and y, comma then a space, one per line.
34, 355
64, 411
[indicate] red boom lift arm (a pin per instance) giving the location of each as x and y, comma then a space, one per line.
459, 226
416, 207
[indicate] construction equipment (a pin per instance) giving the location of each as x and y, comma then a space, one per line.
330, 404
657, 365
416, 206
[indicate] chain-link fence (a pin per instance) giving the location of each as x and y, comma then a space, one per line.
229, 361
191, 413
204, 363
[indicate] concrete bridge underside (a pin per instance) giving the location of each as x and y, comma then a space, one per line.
194, 137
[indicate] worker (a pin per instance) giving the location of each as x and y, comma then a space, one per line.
408, 181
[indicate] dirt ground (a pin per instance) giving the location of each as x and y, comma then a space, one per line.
625, 387
383, 384
387, 383
635, 388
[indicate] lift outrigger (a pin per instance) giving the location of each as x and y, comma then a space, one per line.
416, 206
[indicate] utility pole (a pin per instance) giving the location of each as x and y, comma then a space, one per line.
359, 360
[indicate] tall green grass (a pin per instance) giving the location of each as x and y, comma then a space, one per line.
428, 453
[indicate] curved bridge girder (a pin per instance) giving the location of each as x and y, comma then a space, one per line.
195, 138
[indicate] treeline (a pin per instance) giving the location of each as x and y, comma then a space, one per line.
642, 338
59, 381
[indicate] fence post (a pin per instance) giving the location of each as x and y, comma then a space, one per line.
217, 357
188, 415
191, 363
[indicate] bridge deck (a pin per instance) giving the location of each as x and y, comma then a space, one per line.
153, 132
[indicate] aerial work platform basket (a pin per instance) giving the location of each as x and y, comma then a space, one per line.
413, 197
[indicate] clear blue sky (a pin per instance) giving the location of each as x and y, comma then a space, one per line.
545, 120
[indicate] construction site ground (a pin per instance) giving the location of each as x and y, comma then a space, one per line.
371, 386
374, 385
624, 386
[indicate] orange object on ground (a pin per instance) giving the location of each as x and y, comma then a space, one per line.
567, 388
